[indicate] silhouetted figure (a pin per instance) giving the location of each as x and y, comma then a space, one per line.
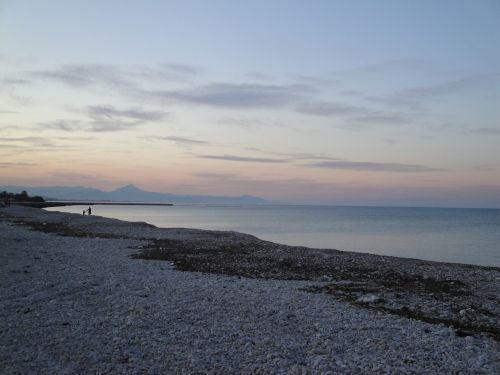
83, 213
89, 211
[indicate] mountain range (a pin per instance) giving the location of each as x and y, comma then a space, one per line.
128, 193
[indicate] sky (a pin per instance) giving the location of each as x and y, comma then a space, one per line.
387, 102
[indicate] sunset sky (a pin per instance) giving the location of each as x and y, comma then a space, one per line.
326, 102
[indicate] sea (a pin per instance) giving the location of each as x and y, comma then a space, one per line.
456, 235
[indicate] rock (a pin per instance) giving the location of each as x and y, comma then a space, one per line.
369, 298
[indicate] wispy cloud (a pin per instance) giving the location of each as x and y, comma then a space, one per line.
171, 72
71, 176
259, 76
337, 78
183, 69
12, 88
308, 156
328, 109
34, 141
355, 117
413, 97
5, 146
17, 165
249, 122
110, 113
360, 123
485, 131
374, 167
232, 95
244, 158
216, 176
131, 82
486, 167
14, 81
83, 74
106, 118
389, 67
454, 86
181, 140
293, 156
65, 125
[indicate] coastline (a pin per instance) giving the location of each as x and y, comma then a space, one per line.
401, 303
48, 204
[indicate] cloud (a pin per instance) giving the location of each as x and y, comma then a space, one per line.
83, 74
294, 156
71, 176
14, 81
309, 156
388, 119
216, 176
328, 109
129, 81
106, 118
181, 69
413, 96
390, 67
323, 81
16, 165
34, 141
259, 76
454, 86
231, 95
172, 72
351, 93
486, 167
374, 167
65, 125
110, 113
485, 131
244, 158
11, 90
5, 146
181, 140
247, 122
357, 117
369, 121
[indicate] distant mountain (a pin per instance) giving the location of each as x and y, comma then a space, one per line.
129, 193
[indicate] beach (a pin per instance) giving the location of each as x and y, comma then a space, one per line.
87, 294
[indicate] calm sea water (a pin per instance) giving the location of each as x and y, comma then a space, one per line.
442, 234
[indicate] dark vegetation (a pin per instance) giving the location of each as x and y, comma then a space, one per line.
459, 296
396, 287
22, 197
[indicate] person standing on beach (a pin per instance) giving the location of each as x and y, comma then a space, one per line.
83, 212
89, 211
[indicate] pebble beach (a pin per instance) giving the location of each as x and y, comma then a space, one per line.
88, 294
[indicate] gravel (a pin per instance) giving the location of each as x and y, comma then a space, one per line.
77, 298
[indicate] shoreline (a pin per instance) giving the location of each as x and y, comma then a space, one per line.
440, 236
463, 299
48, 204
